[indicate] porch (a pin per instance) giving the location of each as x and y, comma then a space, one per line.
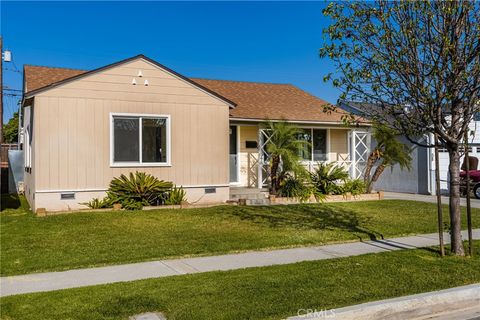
249, 159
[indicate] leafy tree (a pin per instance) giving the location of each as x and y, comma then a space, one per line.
283, 148
418, 64
388, 152
10, 130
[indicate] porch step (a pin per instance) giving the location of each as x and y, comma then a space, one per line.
246, 190
237, 193
252, 196
257, 202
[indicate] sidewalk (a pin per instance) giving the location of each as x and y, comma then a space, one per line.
475, 203
50, 281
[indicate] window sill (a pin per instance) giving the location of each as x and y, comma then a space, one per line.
139, 165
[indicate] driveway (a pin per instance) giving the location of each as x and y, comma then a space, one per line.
427, 198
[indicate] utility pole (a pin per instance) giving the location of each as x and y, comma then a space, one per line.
439, 198
469, 209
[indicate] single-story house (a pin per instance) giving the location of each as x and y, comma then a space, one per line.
83, 128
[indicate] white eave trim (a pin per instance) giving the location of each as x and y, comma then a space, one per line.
299, 121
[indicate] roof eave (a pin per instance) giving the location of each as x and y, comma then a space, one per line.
257, 120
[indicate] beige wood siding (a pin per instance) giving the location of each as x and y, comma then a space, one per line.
73, 129
338, 145
248, 156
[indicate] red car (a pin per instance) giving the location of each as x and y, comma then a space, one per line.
474, 184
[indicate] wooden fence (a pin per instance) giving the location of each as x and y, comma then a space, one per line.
4, 153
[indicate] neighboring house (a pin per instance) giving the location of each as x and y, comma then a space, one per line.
421, 177
83, 128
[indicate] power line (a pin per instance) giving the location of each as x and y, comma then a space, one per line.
12, 70
10, 89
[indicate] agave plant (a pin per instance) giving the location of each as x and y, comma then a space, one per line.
140, 188
175, 196
327, 176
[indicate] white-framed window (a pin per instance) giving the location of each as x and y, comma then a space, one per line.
318, 148
139, 140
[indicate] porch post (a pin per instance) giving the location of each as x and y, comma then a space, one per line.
353, 158
260, 160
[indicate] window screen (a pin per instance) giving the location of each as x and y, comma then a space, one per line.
126, 140
140, 139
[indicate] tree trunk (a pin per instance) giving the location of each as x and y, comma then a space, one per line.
274, 174
375, 177
372, 159
454, 201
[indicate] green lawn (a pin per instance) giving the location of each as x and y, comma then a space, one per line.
31, 244
258, 293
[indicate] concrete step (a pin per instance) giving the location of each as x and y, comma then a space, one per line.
237, 193
257, 202
248, 196
245, 190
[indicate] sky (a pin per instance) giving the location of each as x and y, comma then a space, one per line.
274, 42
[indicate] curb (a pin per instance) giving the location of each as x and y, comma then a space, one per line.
407, 307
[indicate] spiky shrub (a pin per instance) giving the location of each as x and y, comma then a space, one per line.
328, 177
175, 196
137, 190
295, 187
97, 203
354, 186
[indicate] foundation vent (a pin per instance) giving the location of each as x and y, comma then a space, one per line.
67, 196
210, 190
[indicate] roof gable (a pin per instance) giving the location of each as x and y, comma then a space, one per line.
39, 79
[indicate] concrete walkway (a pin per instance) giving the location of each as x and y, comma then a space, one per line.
475, 203
50, 281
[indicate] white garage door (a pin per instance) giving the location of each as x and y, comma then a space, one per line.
443, 159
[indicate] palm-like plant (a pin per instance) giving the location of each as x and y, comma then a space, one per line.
388, 149
283, 148
326, 177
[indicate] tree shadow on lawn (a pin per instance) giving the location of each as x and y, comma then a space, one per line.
318, 217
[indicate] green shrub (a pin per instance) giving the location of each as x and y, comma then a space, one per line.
293, 187
175, 196
137, 190
131, 204
327, 178
97, 203
354, 186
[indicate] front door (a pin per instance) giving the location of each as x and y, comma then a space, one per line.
234, 154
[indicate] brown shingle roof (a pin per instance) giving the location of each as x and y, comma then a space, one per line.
254, 100
36, 77
271, 101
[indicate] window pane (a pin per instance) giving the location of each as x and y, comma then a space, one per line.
125, 137
306, 151
319, 145
154, 144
